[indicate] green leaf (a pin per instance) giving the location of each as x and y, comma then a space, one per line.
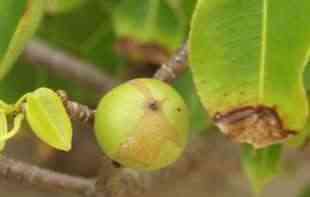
307, 77
48, 118
188, 7
247, 59
300, 140
261, 165
3, 129
18, 119
150, 21
61, 6
94, 42
19, 20
303, 137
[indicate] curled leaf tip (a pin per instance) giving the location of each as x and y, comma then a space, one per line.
259, 126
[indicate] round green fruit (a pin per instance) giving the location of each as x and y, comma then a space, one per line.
142, 124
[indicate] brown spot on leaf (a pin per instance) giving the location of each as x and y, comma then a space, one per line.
259, 126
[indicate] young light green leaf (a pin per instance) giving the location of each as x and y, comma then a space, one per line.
48, 118
7, 108
247, 59
19, 20
150, 21
3, 129
261, 165
16, 127
61, 6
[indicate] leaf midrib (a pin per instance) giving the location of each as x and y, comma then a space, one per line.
263, 50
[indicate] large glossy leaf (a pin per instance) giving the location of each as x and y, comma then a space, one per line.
261, 165
247, 59
188, 7
48, 118
302, 138
19, 20
151, 21
307, 77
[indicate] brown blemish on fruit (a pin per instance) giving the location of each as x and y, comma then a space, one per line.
259, 126
143, 147
153, 105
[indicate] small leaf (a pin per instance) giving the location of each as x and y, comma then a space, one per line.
19, 20
16, 127
48, 118
151, 21
3, 129
7, 108
247, 59
261, 165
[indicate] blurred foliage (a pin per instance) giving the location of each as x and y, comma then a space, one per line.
152, 21
19, 21
199, 119
261, 165
60, 6
305, 192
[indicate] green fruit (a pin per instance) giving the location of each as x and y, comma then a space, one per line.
142, 124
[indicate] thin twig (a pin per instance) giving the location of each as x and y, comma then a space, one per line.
57, 61
76, 110
174, 67
28, 174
